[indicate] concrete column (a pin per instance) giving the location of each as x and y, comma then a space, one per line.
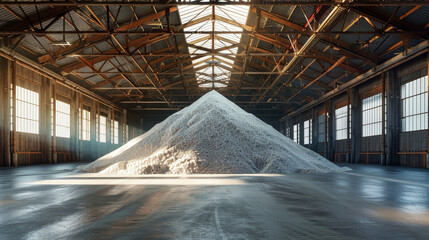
45, 120
393, 87
5, 94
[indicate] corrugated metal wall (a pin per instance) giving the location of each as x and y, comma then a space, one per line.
29, 148
413, 145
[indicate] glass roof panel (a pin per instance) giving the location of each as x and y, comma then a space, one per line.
226, 19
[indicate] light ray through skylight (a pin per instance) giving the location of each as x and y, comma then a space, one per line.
213, 71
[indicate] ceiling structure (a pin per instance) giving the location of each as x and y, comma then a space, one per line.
266, 56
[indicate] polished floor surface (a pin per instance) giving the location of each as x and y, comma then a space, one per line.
370, 202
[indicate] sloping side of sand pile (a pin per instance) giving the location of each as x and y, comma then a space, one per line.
211, 136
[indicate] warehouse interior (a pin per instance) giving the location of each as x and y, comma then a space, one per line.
346, 79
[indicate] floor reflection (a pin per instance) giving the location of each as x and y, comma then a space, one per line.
420, 215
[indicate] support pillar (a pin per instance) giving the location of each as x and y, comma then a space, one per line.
45, 120
109, 128
141, 127
356, 127
54, 123
80, 129
5, 95
301, 131
13, 130
93, 133
124, 127
325, 143
349, 140
74, 127
331, 130
393, 117
427, 149
383, 119
314, 125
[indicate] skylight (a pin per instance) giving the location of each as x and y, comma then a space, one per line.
214, 69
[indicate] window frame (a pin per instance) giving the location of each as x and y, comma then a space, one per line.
57, 113
84, 133
296, 131
343, 116
308, 128
114, 131
321, 125
373, 119
414, 119
27, 104
102, 132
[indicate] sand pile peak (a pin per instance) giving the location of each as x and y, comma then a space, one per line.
213, 135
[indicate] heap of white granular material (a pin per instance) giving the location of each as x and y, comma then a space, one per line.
211, 136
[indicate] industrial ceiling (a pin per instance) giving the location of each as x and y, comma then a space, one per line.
269, 56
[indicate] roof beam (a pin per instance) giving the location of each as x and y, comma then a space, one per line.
226, 3
78, 46
137, 43
277, 18
384, 18
413, 52
373, 59
145, 19
350, 50
41, 17
92, 40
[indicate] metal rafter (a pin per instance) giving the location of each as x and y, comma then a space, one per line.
171, 61
219, 3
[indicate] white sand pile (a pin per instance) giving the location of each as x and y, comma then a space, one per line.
215, 136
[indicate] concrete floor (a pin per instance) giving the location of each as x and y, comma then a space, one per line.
371, 202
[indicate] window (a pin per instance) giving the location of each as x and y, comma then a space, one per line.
414, 97
296, 133
27, 111
307, 132
372, 115
103, 129
84, 125
62, 118
341, 123
114, 132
